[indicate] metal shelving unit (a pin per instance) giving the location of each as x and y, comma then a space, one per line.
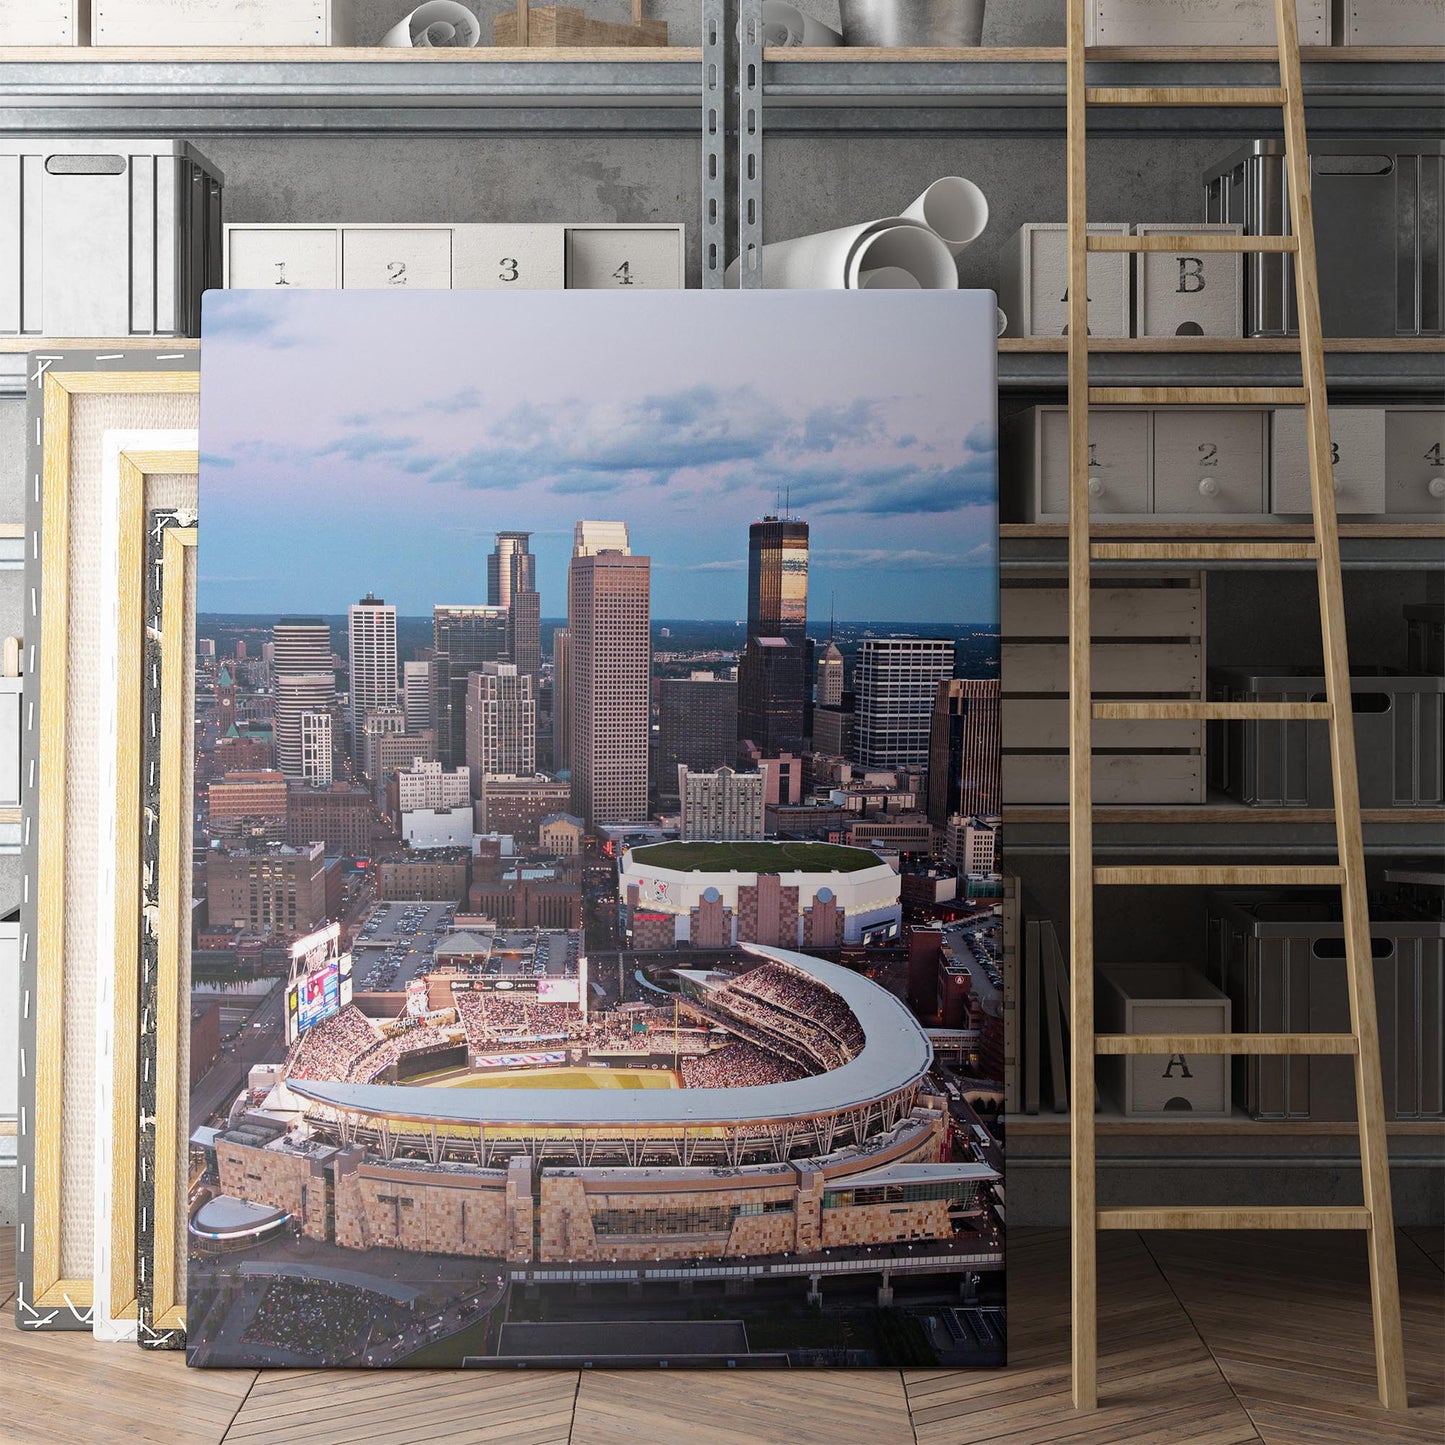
1021, 91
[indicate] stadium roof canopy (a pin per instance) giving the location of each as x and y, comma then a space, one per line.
782, 856
895, 1055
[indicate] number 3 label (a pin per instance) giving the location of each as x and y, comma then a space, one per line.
510, 270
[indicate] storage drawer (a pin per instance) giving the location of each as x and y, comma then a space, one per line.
1118, 463
1208, 462
1043, 722
1357, 441
1389, 22
509, 258
1120, 779
1033, 285
1182, 293
379, 258
104, 237
221, 22
44, 22
1163, 998
1415, 459
265, 257
641, 257
1200, 22
1425, 637
1130, 669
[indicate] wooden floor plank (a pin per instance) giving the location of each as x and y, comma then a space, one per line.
1287, 1318
1226, 1340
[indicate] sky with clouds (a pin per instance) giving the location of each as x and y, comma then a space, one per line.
374, 441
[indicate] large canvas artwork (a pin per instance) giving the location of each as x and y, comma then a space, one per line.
597, 954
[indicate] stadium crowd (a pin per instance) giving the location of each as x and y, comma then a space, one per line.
330, 1049
737, 1065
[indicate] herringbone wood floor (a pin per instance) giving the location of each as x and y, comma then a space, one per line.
1205, 1340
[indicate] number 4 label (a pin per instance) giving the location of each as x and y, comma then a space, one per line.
623, 274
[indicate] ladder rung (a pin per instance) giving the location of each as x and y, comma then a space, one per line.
1198, 395
1221, 711
1217, 1217
1185, 95
1264, 1044
1205, 551
1247, 877
1189, 241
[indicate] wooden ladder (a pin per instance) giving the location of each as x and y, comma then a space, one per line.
1348, 874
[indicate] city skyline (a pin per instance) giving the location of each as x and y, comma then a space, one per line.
410, 474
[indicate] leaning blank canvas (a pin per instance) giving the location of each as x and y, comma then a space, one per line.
596, 955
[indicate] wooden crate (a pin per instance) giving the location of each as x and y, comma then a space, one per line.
44, 22
554, 26
1148, 637
222, 22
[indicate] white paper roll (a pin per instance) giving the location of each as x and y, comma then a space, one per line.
835, 260
439, 24
1002, 321
888, 278
785, 24
955, 209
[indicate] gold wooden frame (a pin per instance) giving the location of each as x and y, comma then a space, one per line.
49, 1289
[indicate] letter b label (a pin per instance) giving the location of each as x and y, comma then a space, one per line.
1191, 275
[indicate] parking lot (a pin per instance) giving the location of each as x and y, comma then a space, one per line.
397, 942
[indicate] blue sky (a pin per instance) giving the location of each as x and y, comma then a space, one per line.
374, 441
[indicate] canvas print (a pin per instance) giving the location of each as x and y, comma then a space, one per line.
597, 943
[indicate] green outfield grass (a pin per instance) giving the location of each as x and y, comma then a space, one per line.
570, 1079
782, 857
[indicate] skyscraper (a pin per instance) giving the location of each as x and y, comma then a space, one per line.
561, 710
416, 695
463, 638
305, 683
830, 676
524, 633
896, 683
774, 689
380, 722
372, 626
697, 727
722, 806
608, 617
318, 755
511, 568
501, 723
964, 762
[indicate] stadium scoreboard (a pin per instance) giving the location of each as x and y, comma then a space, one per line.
319, 984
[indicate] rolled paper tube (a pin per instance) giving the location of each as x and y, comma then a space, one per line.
1002, 321
786, 25
907, 246
954, 209
437, 25
832, 260
888, 278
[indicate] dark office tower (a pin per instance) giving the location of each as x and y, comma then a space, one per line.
511, 568
524, 633
305, 683
463, 638
964, 761
561, 707
608, 616
697, 727
774, 687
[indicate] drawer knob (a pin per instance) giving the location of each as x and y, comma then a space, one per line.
1436, 486
1208, 487
1096, 486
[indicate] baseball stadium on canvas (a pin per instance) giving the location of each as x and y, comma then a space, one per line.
775, 1107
